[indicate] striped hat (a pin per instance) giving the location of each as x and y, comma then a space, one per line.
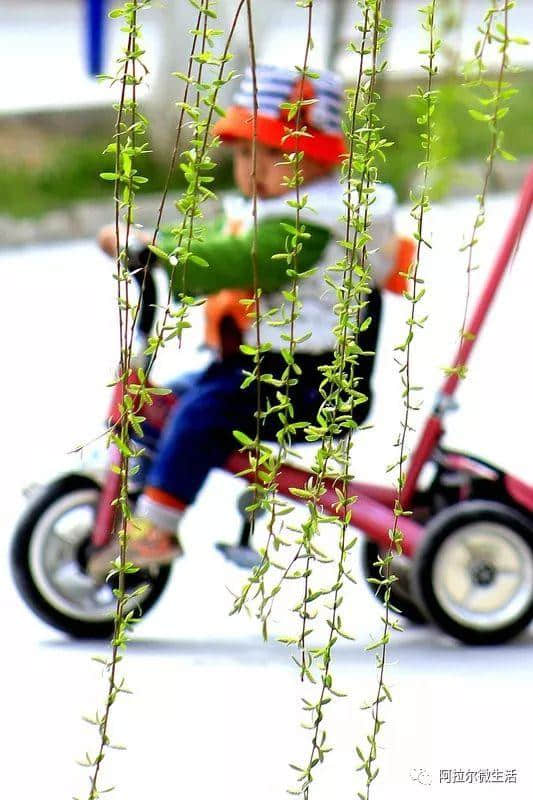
275, 86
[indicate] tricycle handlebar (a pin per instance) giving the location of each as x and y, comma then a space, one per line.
138, 256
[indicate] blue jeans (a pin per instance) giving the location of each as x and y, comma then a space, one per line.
198, 436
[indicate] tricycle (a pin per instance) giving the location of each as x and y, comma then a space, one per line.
467, 553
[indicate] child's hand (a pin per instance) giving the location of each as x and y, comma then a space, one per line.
107, 239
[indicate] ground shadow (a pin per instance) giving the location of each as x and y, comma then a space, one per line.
413, 648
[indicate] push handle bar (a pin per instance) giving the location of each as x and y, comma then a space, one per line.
503, 257
433, 428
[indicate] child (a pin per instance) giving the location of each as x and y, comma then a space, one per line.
198, 435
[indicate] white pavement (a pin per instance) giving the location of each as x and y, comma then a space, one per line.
215, 712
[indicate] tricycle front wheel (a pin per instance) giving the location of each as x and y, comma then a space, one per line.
49, 555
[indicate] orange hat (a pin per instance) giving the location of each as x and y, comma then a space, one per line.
275, 85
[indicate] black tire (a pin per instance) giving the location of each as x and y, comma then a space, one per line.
50, 608
400, 590
439, 577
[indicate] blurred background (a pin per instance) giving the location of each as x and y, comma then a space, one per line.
215, 712
55, 118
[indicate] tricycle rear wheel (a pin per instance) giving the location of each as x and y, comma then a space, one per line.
400, 596
473, 572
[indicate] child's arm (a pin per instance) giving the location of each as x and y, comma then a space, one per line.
230, 261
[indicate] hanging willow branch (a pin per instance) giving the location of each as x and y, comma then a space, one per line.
130, 128
350, 280
267, 462
258, 452
493, 97
197, 166
426, 98
129, 145
335, 425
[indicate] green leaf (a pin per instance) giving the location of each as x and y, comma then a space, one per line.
157, 251
506, 155
305, 494
158, 390
243, 439
475, 114
124, 449
198, 260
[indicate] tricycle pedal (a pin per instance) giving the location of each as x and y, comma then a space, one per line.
241, 555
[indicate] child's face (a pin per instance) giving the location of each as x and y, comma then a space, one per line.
270, 169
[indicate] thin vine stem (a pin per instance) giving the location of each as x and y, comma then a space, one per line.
166, 331
493, 121
323, 470
126, 175
122, 619
191, 208
170, 172
265, 491
255, 268
352, 295
271, 465
426, 98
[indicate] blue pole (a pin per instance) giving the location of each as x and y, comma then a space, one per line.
96, 11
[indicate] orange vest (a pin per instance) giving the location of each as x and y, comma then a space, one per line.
225, 304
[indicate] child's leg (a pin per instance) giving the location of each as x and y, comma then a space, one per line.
198, 437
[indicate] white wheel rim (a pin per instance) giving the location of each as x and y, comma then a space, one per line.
483, 575
54, 564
